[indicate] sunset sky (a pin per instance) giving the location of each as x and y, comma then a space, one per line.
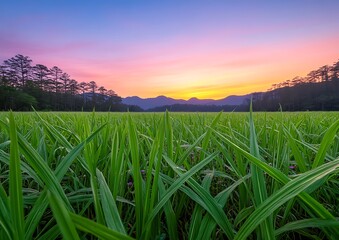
181, 49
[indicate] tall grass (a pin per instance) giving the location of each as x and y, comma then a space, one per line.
169, 175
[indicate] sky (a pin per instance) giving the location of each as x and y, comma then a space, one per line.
180, 49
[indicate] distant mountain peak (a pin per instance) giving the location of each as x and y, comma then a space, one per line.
148, 103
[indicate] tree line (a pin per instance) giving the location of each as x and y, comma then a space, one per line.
317, 91
23, 85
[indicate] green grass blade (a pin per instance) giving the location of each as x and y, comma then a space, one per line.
209, 132
325, 144
109, 207
66, 162
152, 177
96, 229
258, 181
52, 233
137, 180
290, 190
169, 135
296, 152
313, 206
96, 199
171, 219
197, 219
282, 178
5, 213
212, 207
62, 217
42, 169
177, 184
221, 199
34, 216
190, 149
15, 183
307, 223
4, 157
197, 216
243, 214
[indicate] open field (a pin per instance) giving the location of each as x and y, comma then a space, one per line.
169, 175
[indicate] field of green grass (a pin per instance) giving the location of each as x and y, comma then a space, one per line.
169, 175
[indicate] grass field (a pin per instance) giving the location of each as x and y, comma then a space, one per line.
169, 175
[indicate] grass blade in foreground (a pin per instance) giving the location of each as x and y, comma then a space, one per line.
15, 183
137, 180
325, 143
5, 228
62, 217
41, 168
34, 216
109, 207
296, 152
258, 182
97, 229
177, 184
307, 223
290, 190
315, 206
211, 205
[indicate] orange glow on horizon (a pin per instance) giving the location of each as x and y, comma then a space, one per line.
210, 74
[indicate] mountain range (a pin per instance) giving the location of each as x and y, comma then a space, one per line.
149, 103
